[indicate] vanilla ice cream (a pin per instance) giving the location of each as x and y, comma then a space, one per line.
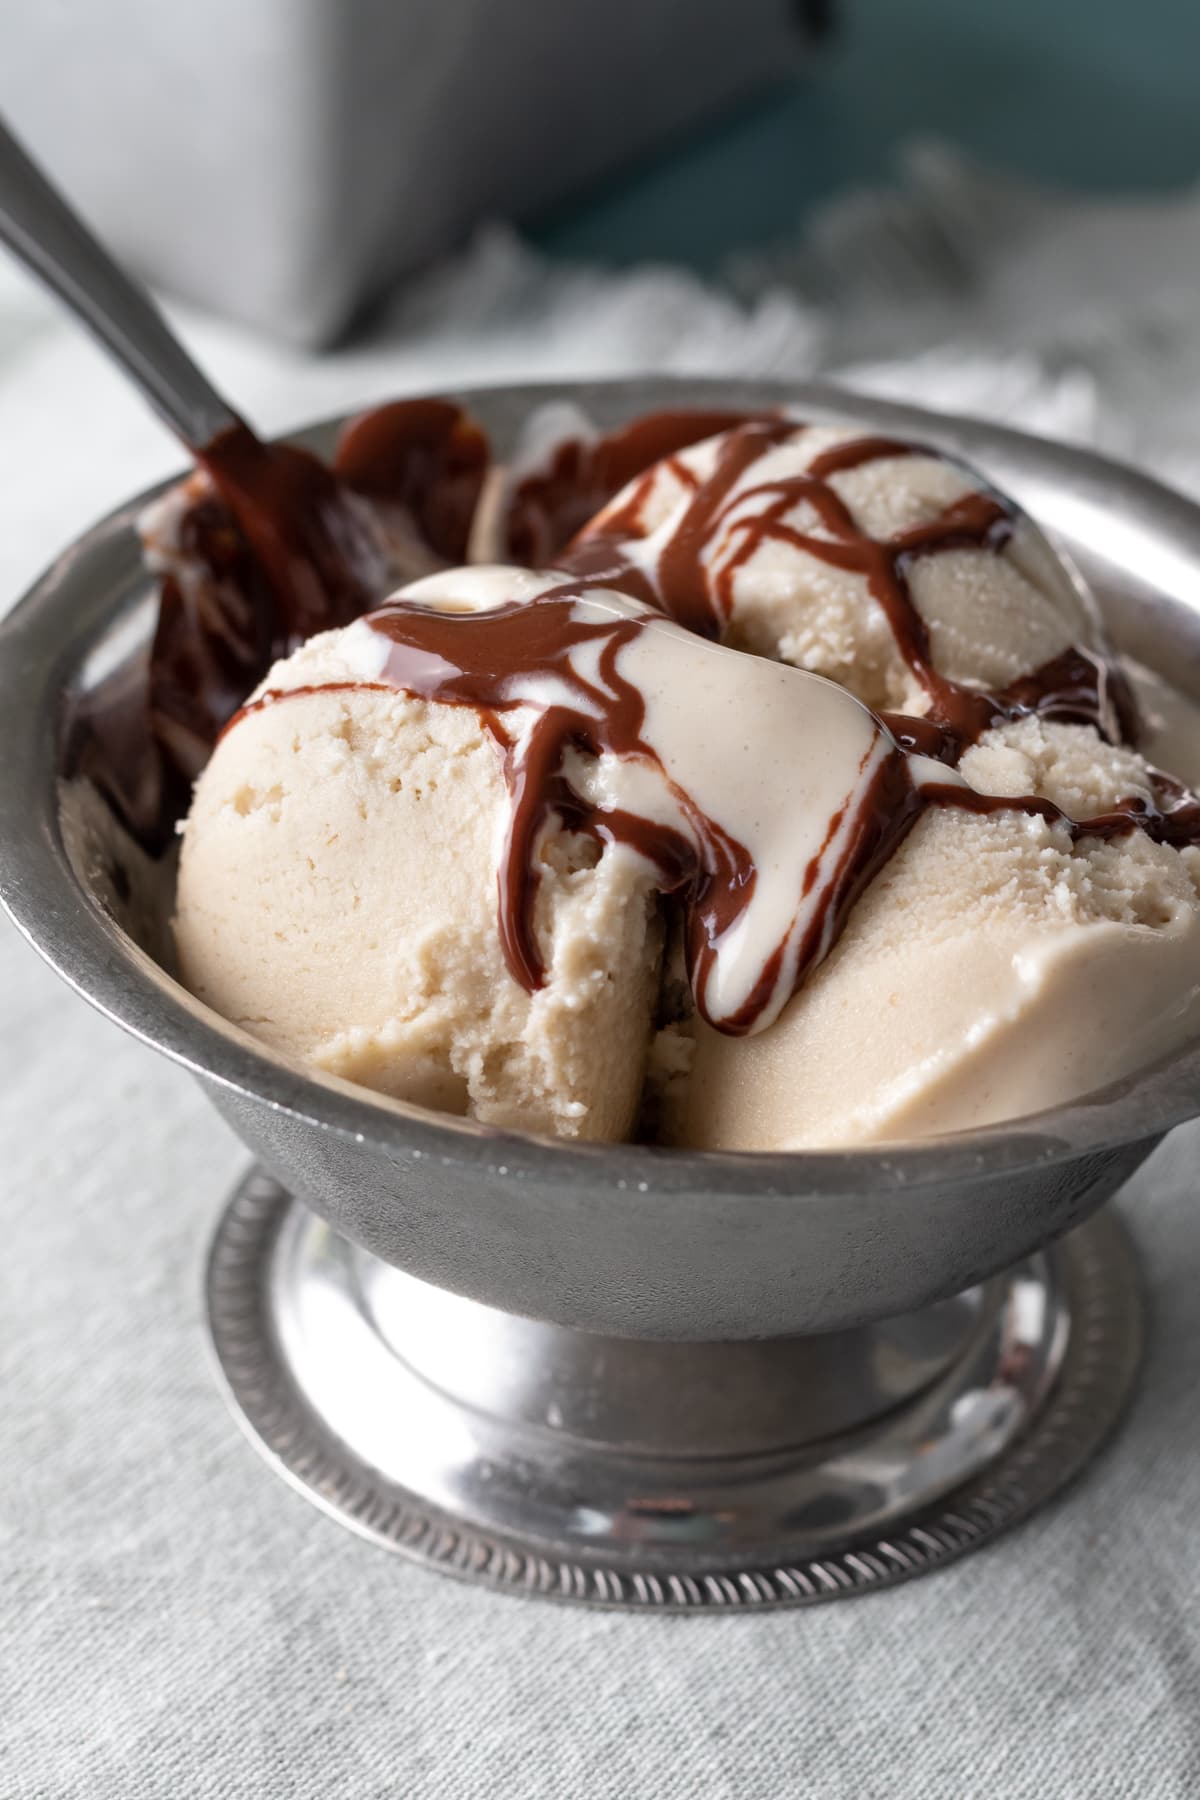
773, 568
337, 897
993, 968
570, 849
358, 868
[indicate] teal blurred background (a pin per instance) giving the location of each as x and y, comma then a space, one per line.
1088, 94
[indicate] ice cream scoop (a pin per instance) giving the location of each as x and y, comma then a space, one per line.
337, 897
881, 564
431, 854
426, 854
998, 964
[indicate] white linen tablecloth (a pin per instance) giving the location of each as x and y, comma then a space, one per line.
174, 1622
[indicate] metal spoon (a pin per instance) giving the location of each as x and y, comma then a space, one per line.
296, 517
51, 240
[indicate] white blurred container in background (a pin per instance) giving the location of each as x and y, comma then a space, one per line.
285, 160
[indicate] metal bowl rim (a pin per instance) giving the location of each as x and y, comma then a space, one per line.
65, 924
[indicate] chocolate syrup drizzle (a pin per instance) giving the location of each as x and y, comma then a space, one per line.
284, 551
482, 660
1080, 686
495, 662
476, 660
553, 502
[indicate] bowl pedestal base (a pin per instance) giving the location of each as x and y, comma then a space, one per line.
609, 1471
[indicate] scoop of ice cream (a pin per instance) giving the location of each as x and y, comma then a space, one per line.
425, 856
995, 967
438, 853
337, 898
859, 558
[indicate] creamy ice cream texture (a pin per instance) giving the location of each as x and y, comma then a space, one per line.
991, 969
337, 898
348, 889
339, 878
994, 610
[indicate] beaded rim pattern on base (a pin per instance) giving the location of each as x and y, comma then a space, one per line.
1095, 1264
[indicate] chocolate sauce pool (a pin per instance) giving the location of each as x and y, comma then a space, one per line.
288, 552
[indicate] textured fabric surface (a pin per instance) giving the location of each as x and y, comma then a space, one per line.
175, 1622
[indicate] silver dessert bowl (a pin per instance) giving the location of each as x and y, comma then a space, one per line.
616, 1372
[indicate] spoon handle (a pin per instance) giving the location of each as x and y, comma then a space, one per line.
51, 240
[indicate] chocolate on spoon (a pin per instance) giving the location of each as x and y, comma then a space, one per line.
289, 506
297, 549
